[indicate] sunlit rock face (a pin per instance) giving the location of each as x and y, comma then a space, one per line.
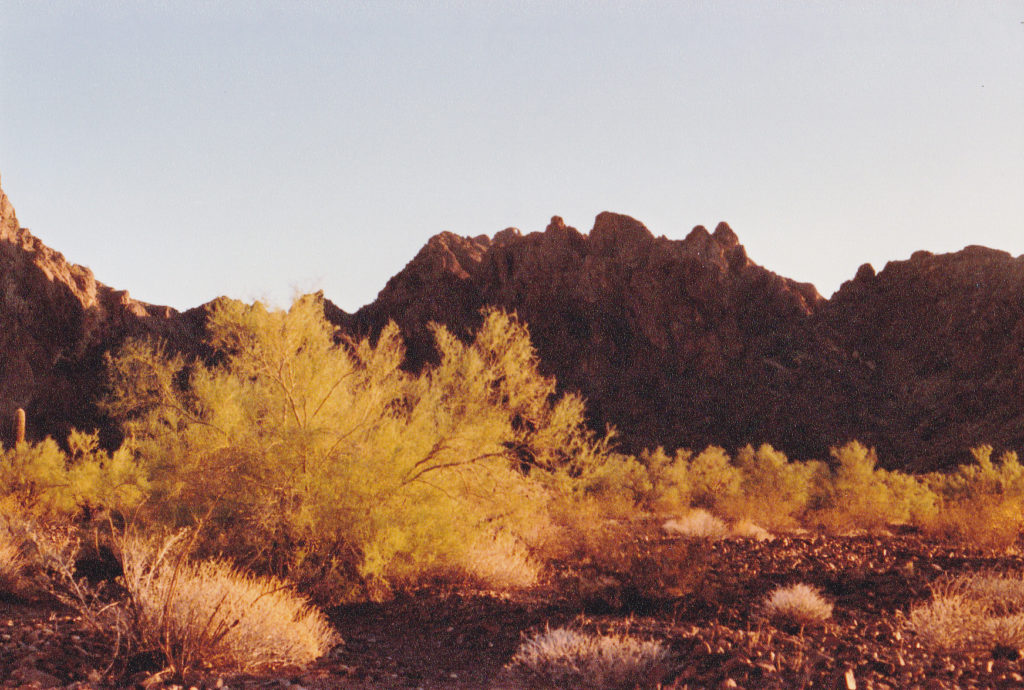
56, 322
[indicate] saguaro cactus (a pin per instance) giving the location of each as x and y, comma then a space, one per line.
19, 426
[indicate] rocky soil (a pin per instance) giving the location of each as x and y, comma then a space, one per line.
716, 632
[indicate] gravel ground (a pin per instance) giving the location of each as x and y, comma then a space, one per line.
716, 632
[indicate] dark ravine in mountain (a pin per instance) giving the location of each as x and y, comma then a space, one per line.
674, 342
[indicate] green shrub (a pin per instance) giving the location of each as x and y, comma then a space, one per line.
41, 479
330, 462
856, 495
713, 480
774, 492
981, 504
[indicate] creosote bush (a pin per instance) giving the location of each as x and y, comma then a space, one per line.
563, 658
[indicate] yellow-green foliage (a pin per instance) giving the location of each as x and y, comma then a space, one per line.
774, 491
325, 458
668, 485
857, 495
41, 479
712, 479
983, 503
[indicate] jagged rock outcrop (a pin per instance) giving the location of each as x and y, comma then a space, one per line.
674, 342
686, 343
56, 322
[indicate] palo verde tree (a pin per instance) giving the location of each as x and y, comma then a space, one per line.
304, 454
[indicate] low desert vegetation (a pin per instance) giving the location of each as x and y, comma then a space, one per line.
12, 561
698, 524
797, 605
564, 657
209, 614
979, 612
305, 463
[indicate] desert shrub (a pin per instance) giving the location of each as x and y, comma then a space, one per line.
798, 605
12, 559
774, 492
978, 612
747, 529
713, 480
570, 658
697, 524
501, 562
326, 460
41, 479
914, 502
855, 495
668, 483
981, 503
211, 615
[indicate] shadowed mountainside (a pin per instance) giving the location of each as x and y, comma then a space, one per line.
674, 342
688, 343
56, 323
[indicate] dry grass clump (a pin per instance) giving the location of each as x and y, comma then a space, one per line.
502, 563
697, 524
748, 529
800, 605
211, 614
12, 562
570, 658
976, 612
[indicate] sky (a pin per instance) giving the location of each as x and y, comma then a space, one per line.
186, 150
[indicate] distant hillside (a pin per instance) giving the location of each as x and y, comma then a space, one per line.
674, 342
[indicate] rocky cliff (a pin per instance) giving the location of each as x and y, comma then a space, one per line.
674, 342
56, 322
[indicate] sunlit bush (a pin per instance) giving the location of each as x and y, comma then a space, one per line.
797, 605
982, 504
39, 478
330, 462
697, 524
211, 615
979, 612
774, 491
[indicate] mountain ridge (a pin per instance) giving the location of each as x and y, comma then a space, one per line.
674, 342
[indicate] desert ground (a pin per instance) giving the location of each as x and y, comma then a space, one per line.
717, 632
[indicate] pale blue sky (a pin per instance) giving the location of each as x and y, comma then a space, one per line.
188, 150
